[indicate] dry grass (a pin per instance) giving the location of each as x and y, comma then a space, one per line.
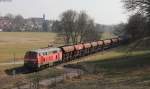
107, 35
19, 42
7, 80
109, 70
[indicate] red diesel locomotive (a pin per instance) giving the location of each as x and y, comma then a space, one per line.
44, 56
50, 55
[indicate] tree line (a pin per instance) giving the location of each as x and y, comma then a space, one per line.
76, 27
138, 24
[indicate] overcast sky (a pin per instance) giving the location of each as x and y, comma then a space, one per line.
102, 11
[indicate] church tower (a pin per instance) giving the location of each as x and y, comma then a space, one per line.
43, 16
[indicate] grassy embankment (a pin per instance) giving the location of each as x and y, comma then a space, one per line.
115, 69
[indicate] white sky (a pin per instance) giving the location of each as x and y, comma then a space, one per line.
102, 11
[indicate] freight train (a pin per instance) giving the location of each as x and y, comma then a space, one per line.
50, 55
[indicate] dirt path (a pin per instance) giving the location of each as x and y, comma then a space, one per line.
69, 73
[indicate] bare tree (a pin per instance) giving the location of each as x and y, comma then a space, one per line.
135, 27
119, 29
68, 20
82, 25
18, 23
56, 26
77, 27
45, 26
139, 6
10, 16
91, 34
86, 28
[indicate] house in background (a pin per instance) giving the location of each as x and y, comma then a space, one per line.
5, 23
34, 24
1, 30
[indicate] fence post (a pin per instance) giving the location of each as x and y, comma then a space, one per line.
14, 71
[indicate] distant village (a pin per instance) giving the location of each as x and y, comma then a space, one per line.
18, 23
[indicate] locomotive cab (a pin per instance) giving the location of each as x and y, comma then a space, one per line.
30, 59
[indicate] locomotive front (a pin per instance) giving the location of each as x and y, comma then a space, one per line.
30, 59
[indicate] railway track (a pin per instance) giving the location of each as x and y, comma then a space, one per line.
81, 59
24, 70
48, 56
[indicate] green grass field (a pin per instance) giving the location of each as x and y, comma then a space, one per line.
19, 42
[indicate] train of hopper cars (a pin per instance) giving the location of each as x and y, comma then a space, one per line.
50, 55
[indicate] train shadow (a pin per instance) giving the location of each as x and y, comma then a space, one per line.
25, 70
19, 70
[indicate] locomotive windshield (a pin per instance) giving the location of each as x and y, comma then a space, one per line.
31, 55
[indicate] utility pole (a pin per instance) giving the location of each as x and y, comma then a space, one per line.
14, 59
